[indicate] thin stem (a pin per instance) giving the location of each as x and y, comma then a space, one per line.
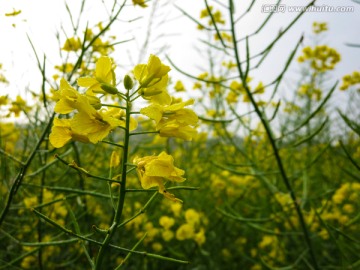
273, 144
122, 191
22, 172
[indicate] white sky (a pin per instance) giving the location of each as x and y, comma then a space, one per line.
41, 19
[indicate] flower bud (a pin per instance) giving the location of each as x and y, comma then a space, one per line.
109, 89
128, 82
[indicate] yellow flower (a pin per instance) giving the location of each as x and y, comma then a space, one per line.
174, 129
167, 235
319, 27
104, 75
350, 80
185, 231
140, 3
200, 237
204, 13
157, 93
157, 247
192, 217
14, 13
18, 106
321, 57
4, 100
153, 80
232, 97
98, 124
70, 99
166, 222
176, 208
150, 73
154, 170
179, 86
173, 120
61, 133
72, 44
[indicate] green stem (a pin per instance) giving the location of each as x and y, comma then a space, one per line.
144, 132
122, 192
270, 136
22, 172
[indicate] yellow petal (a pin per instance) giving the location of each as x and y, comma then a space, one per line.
86, 81
59, 136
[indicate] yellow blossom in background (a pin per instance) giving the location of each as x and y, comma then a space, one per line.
229, 65
197, 85
204, 13
14, 13
153, 171
350, 80
65, 68
179, 86
166, 222
185, 231
9, 135
216, 16
167, 235
72, 44
321, 58
224, 35
203, 76
176, 208
309, 91
259, 89
157, 247
232, 97
192, 217
319, 27
4, 100
104, 75
200, 237
18, 106
2, 77
140, 3
114, 159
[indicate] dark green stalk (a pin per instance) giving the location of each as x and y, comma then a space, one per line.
122, 191
22, 171
273, 145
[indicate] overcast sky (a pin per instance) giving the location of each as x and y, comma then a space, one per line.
41, 19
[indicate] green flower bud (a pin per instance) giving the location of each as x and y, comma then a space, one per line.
128, 82
109, 89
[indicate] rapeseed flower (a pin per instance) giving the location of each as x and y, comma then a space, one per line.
70, 100
153, 80
104, 78
140, 3
61, 133
72, 44
173, 120
155, 170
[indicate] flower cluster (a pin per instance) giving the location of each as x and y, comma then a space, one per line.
91, 123
319, 27
322, 58
350, 80
154, 170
